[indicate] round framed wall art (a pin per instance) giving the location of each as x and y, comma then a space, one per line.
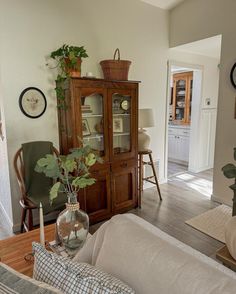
32, 102
233, 75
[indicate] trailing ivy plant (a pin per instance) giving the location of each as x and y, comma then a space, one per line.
70, 172
229, 171
66, 57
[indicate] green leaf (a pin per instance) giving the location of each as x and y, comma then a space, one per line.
54, 191
49, 166
90, 159
233, 187
229, 170
83, 182
69, 165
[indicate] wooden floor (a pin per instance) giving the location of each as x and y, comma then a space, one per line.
184, 196
175, 168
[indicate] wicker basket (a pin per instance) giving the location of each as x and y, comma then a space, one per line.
115, 69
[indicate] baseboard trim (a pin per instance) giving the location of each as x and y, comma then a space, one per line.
198, 170
16, 228
220, 200
8, 223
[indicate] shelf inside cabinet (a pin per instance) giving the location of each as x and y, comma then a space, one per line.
93, 136
121, 114
121, 134
91, 115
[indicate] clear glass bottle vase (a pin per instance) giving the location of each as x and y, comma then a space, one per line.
72, 225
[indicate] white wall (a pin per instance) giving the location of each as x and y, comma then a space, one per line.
5, 191
30, 30
202, 143
198, 19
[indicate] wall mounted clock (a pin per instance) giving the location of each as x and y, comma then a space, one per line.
233, 75
32, 102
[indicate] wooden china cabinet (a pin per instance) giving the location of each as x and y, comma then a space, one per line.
182, 97
104, 114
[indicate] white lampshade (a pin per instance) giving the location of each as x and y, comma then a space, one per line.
146, 118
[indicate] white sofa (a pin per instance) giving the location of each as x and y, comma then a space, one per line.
152, 262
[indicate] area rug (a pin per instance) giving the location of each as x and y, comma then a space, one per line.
212, 222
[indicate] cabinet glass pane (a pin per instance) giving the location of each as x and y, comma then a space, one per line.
180, 99
93, 122
121, 117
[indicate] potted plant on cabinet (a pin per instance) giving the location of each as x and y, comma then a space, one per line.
229, 171
71, 173
69, 60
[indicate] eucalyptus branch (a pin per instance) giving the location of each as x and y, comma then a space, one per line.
72, 170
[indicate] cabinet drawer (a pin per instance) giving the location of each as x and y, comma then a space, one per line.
123, 164
184, 132
172, 131
179, 131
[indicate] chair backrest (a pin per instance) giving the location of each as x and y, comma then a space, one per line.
19, 168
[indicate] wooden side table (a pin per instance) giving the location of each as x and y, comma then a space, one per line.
14, 249
152, 179
224, 256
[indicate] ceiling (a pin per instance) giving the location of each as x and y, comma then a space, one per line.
210, 47
164, 4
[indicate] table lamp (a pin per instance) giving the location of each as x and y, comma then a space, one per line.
146, 120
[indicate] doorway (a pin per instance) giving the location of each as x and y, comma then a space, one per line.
193, 81
183, 104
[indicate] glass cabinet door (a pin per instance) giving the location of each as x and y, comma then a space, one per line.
93, 121
180, 99
122, 123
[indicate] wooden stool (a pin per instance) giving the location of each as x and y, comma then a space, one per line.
147, 179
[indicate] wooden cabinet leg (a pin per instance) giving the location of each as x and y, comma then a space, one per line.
155, 176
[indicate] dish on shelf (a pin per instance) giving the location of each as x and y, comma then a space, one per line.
181, 103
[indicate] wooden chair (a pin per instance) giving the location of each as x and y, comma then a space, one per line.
26, 203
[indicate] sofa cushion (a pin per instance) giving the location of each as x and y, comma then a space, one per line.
151, 261
12, 282
71, 277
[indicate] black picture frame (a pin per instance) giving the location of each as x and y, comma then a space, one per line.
233, 75
29, 108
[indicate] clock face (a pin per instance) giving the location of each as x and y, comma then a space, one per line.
125, 105
233, 75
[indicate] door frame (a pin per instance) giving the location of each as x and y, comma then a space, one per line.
194, 133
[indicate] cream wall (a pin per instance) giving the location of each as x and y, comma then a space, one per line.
198, 19
31, 29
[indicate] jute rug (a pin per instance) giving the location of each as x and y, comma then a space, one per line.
212, 222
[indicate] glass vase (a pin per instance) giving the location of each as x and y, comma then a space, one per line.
72, 226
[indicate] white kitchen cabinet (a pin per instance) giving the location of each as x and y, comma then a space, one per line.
178, 144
